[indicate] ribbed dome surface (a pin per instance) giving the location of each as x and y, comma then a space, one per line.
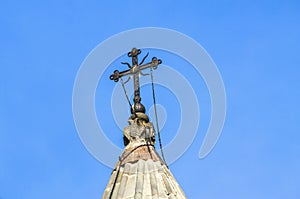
140, 173
144, 179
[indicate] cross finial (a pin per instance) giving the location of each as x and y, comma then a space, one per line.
136, 69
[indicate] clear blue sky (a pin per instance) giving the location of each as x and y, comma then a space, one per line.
255, 45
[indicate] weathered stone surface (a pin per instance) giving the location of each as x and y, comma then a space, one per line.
143, 179
140, 173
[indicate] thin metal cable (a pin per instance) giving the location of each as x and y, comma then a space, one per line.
156, 117
125, 92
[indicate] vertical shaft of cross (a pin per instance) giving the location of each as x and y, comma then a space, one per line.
137, 106
134, 54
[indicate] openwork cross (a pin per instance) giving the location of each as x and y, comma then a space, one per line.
136, 69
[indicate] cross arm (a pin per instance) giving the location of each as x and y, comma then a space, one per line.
135, 69
155, 62
117, 75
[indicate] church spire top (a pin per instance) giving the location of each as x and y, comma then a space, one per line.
140, 171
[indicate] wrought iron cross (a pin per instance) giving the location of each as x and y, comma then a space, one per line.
136, 69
